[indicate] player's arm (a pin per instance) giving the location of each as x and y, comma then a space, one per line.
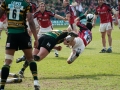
94, 19
59, 17
74, 54
115, 16
32, 27
68, 16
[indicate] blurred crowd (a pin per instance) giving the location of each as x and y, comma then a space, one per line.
56, 5
83, 5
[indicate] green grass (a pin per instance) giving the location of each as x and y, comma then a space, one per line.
91, 71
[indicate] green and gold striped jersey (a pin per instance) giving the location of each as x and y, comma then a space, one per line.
54, 33
59, 35
16, 11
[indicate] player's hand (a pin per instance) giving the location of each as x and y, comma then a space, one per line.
93, 25
116, 23
59, 48
65, 19
35, 43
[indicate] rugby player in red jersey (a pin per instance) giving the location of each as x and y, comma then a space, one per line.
70, 16
104, 11
78, 43
118, 12
3, 24
43, 17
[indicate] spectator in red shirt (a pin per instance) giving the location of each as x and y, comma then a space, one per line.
3, 24
104, 11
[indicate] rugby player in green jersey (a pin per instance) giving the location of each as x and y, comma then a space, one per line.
18, 39
47, 42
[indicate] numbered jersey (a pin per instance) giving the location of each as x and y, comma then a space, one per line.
16, 14
84, 33
86, 36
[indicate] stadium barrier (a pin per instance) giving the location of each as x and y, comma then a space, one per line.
64, 23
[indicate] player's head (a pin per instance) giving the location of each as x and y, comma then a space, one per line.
42, 6
65, 3
100, 2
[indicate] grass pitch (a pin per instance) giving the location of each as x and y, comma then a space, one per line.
91, 71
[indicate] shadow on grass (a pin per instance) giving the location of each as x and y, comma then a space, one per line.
95, 77
116, 53
90, 48
58, 58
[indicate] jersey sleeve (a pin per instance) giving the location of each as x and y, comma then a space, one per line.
35, 15
3, 6
60, 38
51, 14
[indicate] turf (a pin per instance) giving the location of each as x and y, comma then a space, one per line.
91, 71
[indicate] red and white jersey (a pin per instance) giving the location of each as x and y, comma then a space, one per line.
70, 11
104, 12
84, 33
34, 7
3, 18
44, 18
86, 36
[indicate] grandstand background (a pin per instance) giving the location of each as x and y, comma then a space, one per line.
56, 7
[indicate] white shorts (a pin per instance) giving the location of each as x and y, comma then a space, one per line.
36, 25
79, 45
105, 26
3, 26
72, 26
119, 23
44, 30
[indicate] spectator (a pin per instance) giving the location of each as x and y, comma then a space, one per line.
58, 8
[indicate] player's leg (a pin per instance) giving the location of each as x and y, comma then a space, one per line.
33, 66
0, 33
6, 67
10, 50
109, 31
1, 28
103, 33
27, 49
13, 80
119, 23
56, 53
21, 72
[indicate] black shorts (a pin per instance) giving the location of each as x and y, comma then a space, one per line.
48, 42
18, 41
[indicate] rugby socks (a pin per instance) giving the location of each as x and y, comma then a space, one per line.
4, 75
56, 53
104, 48
33, 68
110, 47
25, 65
